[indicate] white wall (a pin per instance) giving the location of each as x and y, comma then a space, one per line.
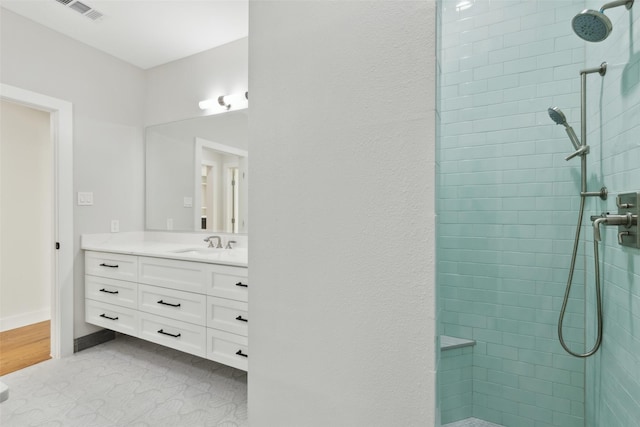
107, 96
174, 89
26, 233
342, 147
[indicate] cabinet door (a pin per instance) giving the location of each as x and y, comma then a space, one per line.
182, 336
227, 315
111, 291
228, 282
114, 266
226, 348
174, 274
184, 306
112, 317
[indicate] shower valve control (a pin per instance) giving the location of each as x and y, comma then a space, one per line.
629, 205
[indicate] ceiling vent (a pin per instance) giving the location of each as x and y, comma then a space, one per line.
81, 8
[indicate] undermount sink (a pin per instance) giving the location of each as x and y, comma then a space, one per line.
201, 251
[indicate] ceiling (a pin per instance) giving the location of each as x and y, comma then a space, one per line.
145, 33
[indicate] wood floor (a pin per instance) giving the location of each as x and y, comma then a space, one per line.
24, 346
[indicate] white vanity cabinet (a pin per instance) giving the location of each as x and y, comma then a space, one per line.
196, 307
111, 291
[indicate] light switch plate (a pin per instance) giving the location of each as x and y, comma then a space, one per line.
115, 226
85, 198
188, 202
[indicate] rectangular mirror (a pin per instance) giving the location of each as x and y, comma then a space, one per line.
196, 174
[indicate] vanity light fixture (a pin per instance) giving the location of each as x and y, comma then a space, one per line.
237, 101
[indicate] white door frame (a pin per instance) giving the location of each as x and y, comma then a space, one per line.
61, 113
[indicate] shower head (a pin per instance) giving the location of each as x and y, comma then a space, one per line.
559, 118
593, 25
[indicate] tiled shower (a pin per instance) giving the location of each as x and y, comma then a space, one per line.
507, 209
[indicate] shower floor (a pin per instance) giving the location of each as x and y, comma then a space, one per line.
471, 422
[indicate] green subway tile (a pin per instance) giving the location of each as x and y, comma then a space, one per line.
554, 403
487, 388
564, 420
537, 386
535, 357
487, 414
516, 420
519, 368
486, 361
520, 341
480, 373
473, 320
502, 324
535, 413
577, 409
502, 351
553, 374
518, 395
487, 335
569, 363
500, 404
568, 392
502, 378
577, 379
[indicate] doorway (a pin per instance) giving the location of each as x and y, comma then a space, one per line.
26, 230
61, 217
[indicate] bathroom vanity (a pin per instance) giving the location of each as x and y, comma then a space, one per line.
181, 295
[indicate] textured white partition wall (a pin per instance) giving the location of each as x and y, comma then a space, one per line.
342, 210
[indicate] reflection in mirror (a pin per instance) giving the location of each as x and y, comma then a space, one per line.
196, 174
222, 178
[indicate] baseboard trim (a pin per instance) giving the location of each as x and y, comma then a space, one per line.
24, 319
88, 341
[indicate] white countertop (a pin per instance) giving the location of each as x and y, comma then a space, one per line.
168, 245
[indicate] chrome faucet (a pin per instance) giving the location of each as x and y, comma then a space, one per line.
229, 244
627, 220
210, 240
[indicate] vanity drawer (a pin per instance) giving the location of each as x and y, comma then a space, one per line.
174, 274
184, 306
111, 291
226, 348
115, 266
228, 282
227, 315
182, 336
112, 317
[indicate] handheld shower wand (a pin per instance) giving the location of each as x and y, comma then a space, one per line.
582, 149
558, 116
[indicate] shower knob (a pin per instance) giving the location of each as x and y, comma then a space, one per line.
623, 205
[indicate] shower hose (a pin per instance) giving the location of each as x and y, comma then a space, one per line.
568, 290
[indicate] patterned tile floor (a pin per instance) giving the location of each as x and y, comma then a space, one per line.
471, 422
126, 382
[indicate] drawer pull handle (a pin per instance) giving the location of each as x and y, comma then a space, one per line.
242, 319
167, 333
242, 285
240, 353
109, 265
107, 317
169, 304
108, 292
